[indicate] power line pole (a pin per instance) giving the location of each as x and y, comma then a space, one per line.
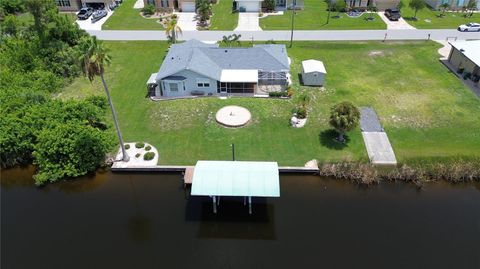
293, 19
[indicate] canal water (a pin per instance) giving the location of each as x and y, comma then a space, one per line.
136, 220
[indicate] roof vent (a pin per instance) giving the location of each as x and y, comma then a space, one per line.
462, 50
226, 51
173, 58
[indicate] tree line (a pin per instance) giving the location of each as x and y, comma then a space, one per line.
38, 57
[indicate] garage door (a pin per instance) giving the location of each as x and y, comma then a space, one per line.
188, 7
249, 6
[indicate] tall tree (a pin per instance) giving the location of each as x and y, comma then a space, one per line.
344, 117
42, 11
472, 6
172, 30
445, 6
94, 56
372, 7
331, 6
417, 5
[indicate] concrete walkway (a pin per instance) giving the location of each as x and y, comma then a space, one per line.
187, 21
400, 24
87, 24
139, 4
330, 35
248, 21
376, 141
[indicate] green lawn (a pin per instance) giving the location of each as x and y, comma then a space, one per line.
451, 20
223, 18
314, 17
426, 111
127, 18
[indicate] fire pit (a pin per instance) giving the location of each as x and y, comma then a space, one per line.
233, 116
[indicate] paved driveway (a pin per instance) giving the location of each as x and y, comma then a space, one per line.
88, 25
400, 24
248, 21
186, 21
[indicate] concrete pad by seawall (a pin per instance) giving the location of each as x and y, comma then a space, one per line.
379, 149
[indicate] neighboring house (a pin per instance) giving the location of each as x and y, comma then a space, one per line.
454, 4
466, 55
289, 4
75, 5
196, 68
256, 5
379, 4
179, 5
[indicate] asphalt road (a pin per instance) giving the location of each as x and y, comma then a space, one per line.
405, 34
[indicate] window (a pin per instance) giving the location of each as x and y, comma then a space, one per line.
63, 3
151, 2
173, 87
203, 83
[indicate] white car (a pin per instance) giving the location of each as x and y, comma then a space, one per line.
469, 27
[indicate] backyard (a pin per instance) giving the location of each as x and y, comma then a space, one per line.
223, 18
426, 111
430, 19
314, 17
126, 17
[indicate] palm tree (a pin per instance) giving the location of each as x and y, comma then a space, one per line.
94, 56
344, 117
444, 8
172, 30
204, 10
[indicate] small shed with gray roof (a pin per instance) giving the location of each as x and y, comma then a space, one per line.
313, 73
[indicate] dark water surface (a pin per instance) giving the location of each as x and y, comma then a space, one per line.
148, 221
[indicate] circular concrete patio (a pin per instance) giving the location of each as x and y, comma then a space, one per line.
233, 116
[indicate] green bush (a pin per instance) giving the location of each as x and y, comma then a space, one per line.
149, 156
137, 155
148, 148
148, 10
127, 146
278, 94
301, 112
139, 145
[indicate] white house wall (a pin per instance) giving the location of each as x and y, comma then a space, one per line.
190, 84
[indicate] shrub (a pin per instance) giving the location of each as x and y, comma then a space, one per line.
278, 94
148, 148
148, 10
139, 145
301, 112
127, 146
467, 75
149, 156
137, 155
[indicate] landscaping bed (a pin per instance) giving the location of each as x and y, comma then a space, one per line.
126, 17
426, 111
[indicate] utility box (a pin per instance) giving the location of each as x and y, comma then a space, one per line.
313, 73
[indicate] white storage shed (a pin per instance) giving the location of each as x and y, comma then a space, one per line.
313, 73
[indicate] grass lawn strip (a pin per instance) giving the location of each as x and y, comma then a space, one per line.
223, 18
426, 111
125, 17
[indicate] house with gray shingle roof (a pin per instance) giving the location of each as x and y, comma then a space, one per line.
197, 68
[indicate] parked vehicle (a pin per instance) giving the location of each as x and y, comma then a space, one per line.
392, 14
85, 13
98, 15
469, 27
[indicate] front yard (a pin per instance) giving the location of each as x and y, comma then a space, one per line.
314, 17
426, 111
126, 17
429, 19
223, 18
